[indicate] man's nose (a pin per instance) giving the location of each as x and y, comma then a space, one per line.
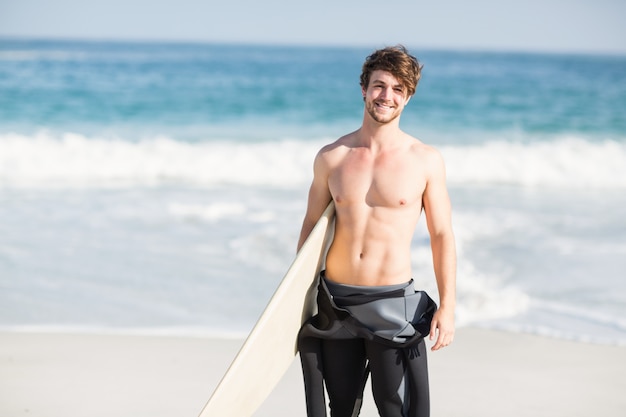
385, 93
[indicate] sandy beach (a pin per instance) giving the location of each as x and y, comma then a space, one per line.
484, 373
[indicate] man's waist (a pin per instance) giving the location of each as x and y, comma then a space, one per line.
362, 275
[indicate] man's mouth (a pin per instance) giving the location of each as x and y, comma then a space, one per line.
384, 106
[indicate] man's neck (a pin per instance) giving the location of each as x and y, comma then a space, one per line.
375, 135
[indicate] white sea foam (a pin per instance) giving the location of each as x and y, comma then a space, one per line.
480, 297
566, 162
73, 160
210, 213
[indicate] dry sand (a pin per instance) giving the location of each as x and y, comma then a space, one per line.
484, 373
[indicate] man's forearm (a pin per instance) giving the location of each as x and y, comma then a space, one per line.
444, 262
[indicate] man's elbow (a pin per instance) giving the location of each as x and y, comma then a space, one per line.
442, 238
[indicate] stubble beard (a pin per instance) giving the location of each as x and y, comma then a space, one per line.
381, 118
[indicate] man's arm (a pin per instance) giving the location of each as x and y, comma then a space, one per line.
319, 197
439, 221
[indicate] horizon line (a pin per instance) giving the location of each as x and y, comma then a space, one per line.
311, 44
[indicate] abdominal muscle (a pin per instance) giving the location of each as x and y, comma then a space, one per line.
370, 251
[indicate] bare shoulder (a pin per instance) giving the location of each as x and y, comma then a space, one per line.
333, 152
427, 155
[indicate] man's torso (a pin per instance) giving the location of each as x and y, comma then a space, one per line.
378, 200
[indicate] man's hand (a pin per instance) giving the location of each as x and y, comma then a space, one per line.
442, 326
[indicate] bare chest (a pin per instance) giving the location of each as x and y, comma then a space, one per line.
393, 180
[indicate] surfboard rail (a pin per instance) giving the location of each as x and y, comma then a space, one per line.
271, 346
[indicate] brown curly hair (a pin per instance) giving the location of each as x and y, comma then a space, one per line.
397, 61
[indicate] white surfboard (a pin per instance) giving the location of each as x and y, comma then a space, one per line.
271, 346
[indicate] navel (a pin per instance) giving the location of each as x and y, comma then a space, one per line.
402, 202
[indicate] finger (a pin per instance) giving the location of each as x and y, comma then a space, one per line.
438, 344
444, 339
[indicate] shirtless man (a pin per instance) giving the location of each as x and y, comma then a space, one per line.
380, 179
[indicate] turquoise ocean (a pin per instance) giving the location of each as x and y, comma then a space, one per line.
159, 188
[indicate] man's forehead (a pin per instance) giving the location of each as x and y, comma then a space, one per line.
384, 77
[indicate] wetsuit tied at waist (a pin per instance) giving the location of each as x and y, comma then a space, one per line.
395, 317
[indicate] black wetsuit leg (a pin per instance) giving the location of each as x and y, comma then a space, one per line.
399, 379
344, 365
